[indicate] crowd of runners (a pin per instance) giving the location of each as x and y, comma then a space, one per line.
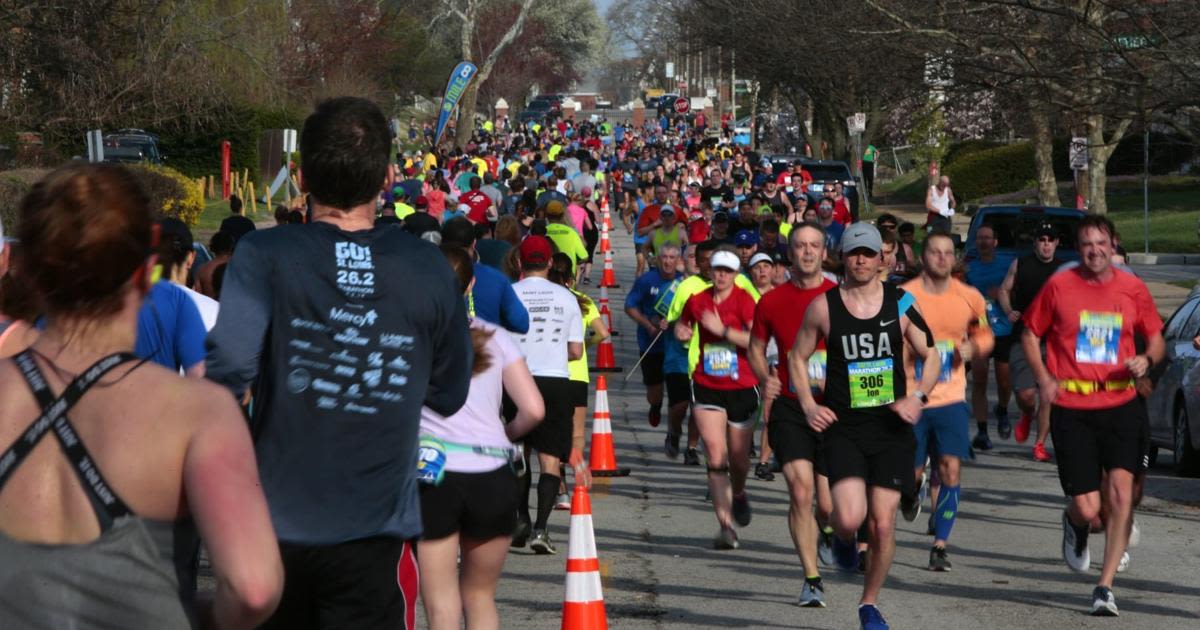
371, 381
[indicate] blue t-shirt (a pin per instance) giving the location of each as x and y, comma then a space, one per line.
833, 236
170, 331
496, 302
985, 277
640, 240
645, 296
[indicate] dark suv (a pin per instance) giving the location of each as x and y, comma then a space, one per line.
132, 145
1016, 229
825, 174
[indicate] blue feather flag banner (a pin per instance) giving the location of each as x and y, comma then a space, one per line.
459, 79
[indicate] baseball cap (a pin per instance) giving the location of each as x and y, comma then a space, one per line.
421, 201
555, 208
726, 260
861, 235
720, 217
1046, 229
746, 238
535, 250
760, 258
667, 210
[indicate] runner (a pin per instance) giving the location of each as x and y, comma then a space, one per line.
341, 367
115, 432
555, 338
866, 418
776, 321
987, 274
469, 489
646, 305
677, 367
669, 232
1025, 279
492, 297
1099, 425
724, 392
957, 317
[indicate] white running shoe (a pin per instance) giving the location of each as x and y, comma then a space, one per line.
1075, 546
1124, 564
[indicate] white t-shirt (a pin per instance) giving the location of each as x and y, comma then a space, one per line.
207, 306
554, 321
941, 201
478, 422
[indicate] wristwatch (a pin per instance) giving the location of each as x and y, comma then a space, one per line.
923, 397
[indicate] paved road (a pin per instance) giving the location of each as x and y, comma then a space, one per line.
653, 533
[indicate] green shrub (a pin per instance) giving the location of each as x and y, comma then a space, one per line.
13, 186
992, 172
962, 149
171, 193
197, 152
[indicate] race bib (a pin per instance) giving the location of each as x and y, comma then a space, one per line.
720, 360
871, 383
665, 297
1099, 338
946, 349
431, 460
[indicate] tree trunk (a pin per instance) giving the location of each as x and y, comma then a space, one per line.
466, 113
1043, 144
1099, 150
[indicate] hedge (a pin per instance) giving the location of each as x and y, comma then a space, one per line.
197, 152
964, 148
993, 171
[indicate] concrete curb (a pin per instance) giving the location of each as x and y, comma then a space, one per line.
1164, 259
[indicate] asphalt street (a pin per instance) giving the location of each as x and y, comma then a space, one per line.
654, 531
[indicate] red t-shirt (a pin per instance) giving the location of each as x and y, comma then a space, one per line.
1088, 328
841, 212
779, 315
479, 204
649, 215
723, 365
698, 231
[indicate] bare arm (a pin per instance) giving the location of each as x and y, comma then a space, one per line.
929, 200
520, 387
574, 350
815, 326
1047, 384
1004, 297
641, 320
757, 354
599, 332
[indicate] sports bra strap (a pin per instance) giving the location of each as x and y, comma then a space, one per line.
105, 502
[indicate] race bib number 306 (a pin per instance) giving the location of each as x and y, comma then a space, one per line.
1099, 338
871, 383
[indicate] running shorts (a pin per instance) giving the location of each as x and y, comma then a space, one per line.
880, 451
1088, 442
579, 394
739, 405
1020, 375
943, 430
790, 436
552, 435
480, 506
366, 583
1003, 348
652, 369
679, 389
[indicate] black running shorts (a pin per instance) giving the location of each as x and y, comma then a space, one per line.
652, 369
679, 389
579, 394
366, 583
790, 436
480, 506
552, 435
1003, 347
878, 450
739, 405
1088, 442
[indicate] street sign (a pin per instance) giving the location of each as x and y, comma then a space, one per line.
857, 123
670, 70
1078, 154
682, 105
95, 146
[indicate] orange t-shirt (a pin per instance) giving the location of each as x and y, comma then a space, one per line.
953, 316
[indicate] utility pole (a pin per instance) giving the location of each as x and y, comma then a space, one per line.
733, 87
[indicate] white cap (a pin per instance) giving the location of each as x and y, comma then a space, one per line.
727, 260
761, 258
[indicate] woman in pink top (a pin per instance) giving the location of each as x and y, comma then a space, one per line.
436, 195
469, 487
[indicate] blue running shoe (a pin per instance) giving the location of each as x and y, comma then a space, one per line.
1003, 425
870, 618
845, 554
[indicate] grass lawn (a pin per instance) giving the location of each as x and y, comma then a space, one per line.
1174, 213
1183, 284
215, 211
908, 188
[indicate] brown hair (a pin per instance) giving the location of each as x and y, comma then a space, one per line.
464, 268
508, 229
85, 230
561, 273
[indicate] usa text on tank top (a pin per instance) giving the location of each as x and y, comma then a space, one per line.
865, 367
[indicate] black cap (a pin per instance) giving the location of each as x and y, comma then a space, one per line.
1046, 229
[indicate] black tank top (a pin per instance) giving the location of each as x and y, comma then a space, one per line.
1032, 274
865, 366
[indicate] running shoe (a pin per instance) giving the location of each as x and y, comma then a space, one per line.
1103, 602
741, 510
521, 534
763, 471
1040, 454
870, 618
1135, 534
938, 560
563, 501
812, 595
753, 450
540, 544
1124, 563
691, 457
825, 547
982, 442
655, 416
1022, 432
845, 554
862, 561
1003, 426
671, 446
726, 539
910, 505
1075, 546
930, 530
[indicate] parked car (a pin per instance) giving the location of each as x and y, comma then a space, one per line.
1016, 230
537, 111
1175, 400
132, 145
825, 174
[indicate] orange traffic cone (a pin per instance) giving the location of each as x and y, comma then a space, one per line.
583, 605
606, 313
606, 360
603, 458
605, 245
607, 214
609, 279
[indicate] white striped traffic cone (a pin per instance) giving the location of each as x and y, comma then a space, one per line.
583, 606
